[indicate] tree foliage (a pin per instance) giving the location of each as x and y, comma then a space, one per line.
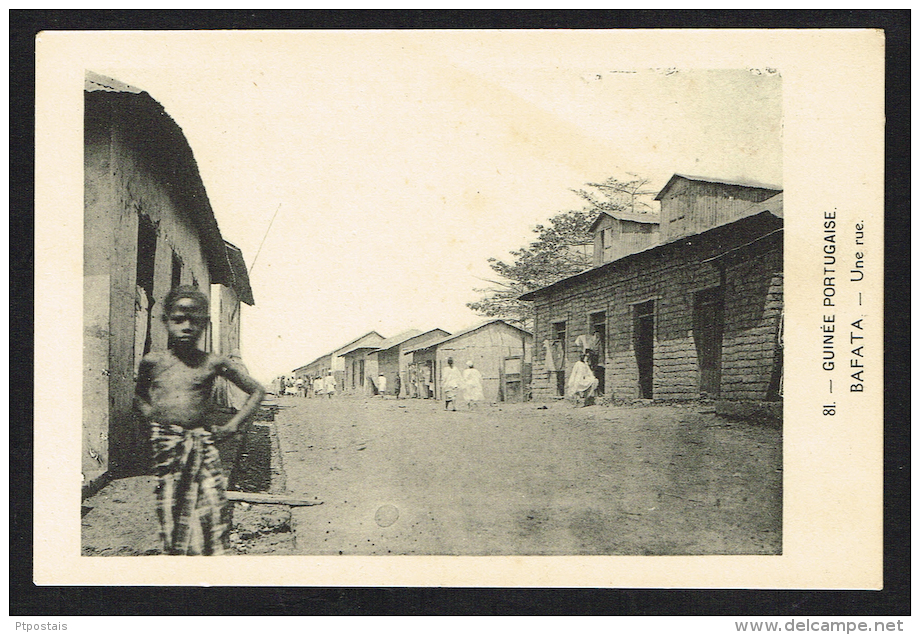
614, 195
563, 248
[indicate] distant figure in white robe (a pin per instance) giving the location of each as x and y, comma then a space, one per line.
582, 382
472, 385
318, 387
329, 385
382, 385
451, 380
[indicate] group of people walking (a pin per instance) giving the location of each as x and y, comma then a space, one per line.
319, 386
455, 385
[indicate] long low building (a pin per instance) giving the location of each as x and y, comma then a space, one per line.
148, 228
500, 351
335, 361
392, 364
697, 316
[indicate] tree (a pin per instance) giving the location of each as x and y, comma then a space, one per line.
563, 248
614, 195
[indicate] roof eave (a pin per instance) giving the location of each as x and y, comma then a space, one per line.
653, 219
165, 134
464, 332
702, 179
530, 296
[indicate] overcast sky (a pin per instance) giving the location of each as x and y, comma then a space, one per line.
398, 166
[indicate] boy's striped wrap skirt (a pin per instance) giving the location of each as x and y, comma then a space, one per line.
191, 491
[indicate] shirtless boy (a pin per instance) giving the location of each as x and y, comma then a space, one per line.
173, 394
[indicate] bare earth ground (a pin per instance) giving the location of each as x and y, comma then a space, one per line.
120, 519
406, 477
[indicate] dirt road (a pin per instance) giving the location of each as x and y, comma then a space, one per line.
405, 477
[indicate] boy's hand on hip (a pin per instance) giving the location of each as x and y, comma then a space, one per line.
224, 431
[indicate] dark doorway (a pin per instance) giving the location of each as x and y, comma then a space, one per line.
708, 322
599, 331
176, 274
129, 445
559, 356
644, 333
143, 303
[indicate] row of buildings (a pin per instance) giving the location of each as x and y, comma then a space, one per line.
412, 361
678, 305
683, 304
148, 227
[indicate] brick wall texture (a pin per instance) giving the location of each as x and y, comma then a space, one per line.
743, 258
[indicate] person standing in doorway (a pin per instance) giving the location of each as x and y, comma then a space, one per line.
382, 385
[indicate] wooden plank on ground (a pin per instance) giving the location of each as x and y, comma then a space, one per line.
270, 499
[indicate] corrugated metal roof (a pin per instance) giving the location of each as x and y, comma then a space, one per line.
705, 179
354, 345
358, 347
166, 147
727, 227
396, 340
774, 205
306, 366
344, 350
240, 275
465, 331
356, 340
408, 341
650, 218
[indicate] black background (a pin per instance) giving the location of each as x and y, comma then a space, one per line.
28, 599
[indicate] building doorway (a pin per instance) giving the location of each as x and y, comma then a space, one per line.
644, 344
599, 340
143, 280
708, 324
558, 352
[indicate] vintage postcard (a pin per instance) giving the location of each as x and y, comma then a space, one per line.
460, 308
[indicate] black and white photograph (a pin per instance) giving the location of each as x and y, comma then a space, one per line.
454, 294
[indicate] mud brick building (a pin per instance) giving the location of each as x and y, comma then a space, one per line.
356, 368
226, 303
697, 316
148, 227
617, 234
341, 367
391, 362
502, 352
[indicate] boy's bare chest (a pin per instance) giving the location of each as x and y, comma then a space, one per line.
182, 377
